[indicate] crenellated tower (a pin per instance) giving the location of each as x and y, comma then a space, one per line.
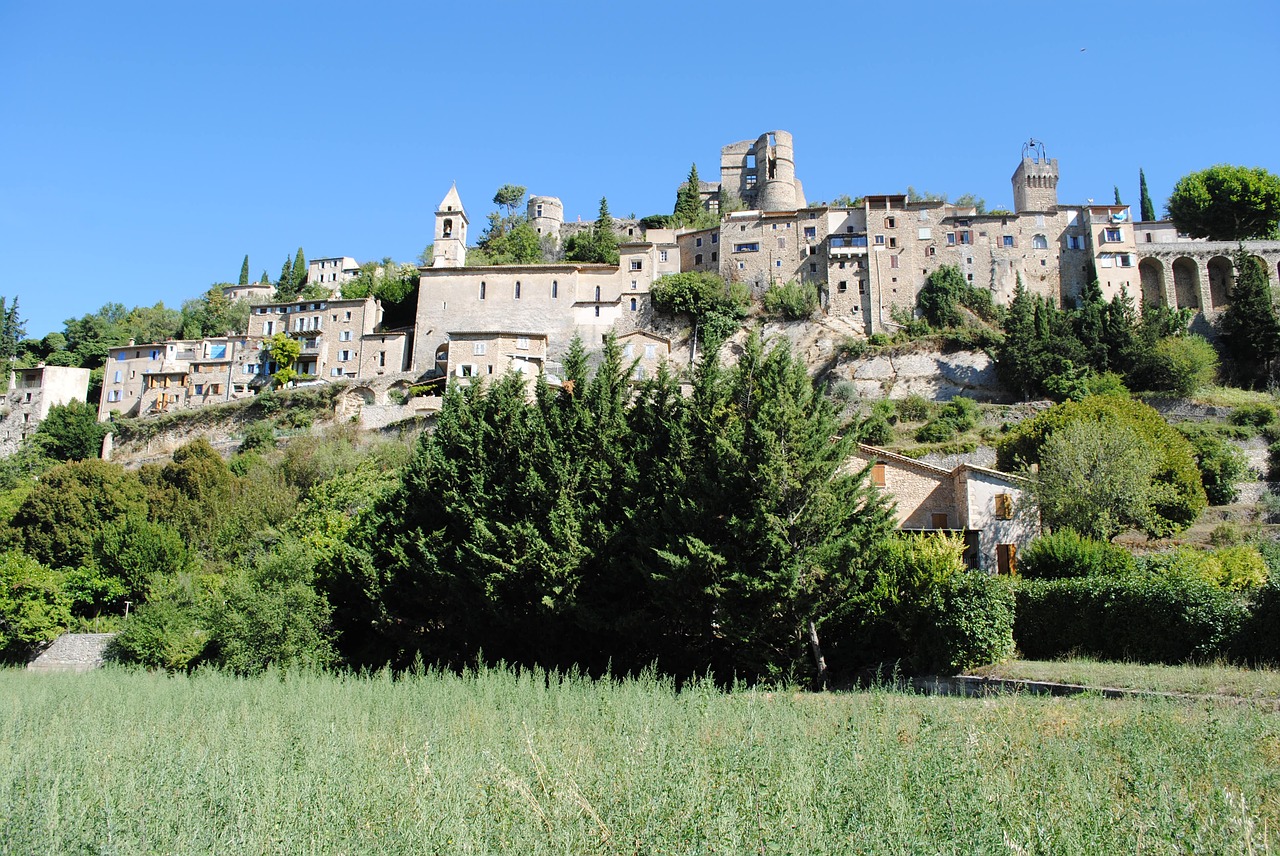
1035, 181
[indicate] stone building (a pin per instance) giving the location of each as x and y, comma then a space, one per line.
31, 393
254, 292
984, 506
643, 352
339, 338
490, 354
143, 380
555, 301
761, 175
332, 272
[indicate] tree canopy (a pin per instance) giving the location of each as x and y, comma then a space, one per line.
1227, 203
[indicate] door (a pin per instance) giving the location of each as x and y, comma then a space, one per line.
1007, 559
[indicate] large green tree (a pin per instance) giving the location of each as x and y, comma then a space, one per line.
597, 246
71, 432
1148, 210
1227, 203
1249, 327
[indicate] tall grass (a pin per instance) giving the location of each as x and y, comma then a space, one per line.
494, 761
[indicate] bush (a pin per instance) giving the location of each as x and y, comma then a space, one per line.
1254, 415
259, 435
1146, 617
1064, 554
1258, 641
794, 301
965, 621
34, 608
1183, 364
958, 415
875, 430
1221, 464
913, 408
162, 635
845, 391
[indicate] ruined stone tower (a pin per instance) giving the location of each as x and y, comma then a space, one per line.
1035, 181
450, 248
546, 215
763, 173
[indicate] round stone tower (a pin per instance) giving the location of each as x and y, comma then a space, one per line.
546, 215
776, 172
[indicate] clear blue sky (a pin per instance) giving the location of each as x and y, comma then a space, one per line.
147, 147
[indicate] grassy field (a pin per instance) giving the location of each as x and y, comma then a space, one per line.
118, 762
1198, 680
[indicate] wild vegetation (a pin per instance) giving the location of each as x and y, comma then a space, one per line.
495, 760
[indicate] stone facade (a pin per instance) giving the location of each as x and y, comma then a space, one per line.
644, 352
331, 273
254, 292
984, 505
31, 393
337, 336
142, 380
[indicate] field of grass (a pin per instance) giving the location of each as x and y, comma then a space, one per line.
1198, 680
119, 762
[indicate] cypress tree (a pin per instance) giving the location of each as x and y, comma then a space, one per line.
1148, 210
604, 239
688, 200
265, 279
285, 282
299, 271
244, 271
1116, 187
1250, 330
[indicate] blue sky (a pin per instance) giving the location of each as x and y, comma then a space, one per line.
148, 146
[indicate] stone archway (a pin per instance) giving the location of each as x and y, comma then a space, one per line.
1222, 279
1186, 283
1152, 273
402, 388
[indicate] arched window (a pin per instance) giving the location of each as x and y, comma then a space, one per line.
448, 227
1040, 242
633, 304
597, 294
555, 289
517, 289
482, 289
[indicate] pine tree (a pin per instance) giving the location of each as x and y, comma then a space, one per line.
265, 279
604, 239
12, 329
1116, 187
1148, 210
285, 281
244, 271
1250, 330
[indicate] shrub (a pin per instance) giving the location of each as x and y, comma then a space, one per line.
913, 408
958, 415
162, 635
1064, 554
965, 621
794, 301
1183, 364
1255, 415
258, 436
1258, 641
875, 430
851, 348
1226, 534
878, 340
1221, 464
34, 608
1147, 617
845, 391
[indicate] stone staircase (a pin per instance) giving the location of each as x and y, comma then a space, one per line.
72, 652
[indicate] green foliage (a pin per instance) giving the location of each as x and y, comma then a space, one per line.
716, 306
957, 416
1148, 210
244, 271
526, 528
61, 517
946, 292
913, 408
172, 631
33, 606
285, 350
211, 314
1147, 617
1144, 470
1064, 554
509, 239
1249, 327
794, 301
598, 246
71, 432
689, 212
1220, 462
1183, 365
135, 551
1254, 415
1227, 203
258, 436
509, 196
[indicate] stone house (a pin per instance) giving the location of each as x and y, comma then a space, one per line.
490, 354
141, 380
32, 392
338, 337
332, 272
646, 350
254, 292
983, 505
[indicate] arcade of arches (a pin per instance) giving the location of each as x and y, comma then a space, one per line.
1195, 281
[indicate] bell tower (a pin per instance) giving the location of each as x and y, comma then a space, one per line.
450, 246
1035, 181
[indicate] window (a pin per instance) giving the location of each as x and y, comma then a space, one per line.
1007, 559
1006, 240
627, 351
697, 242
715, 257
636, 264
778, 263
813, 267
155, 354
382, 358
478, 349
335, 372
1075, 242
1040, 242
522, 343
965, 237
597, 311
517, 289
782, 243
114, 396
931, 251
348, 316
251, 368
890, 223
842, 286
633, 304
635, 284
650, 352
121, 357
742, 265
555, 289
1004, 506
538, 210
344, 356
345, 337
951, 239
662, 255
810, 231
715, 237
482, 288
746, 248
697, 259
1112, 236
879, 240
597, 294
893, 263
926, 233
893, 243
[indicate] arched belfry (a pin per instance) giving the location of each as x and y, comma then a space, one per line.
450, 246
